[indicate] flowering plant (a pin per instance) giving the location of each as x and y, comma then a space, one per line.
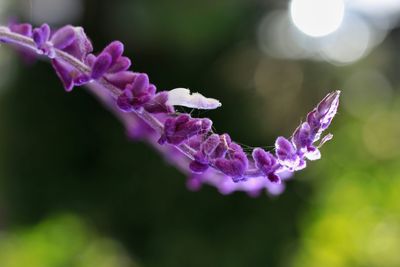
188, 143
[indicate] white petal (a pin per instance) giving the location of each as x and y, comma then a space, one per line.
182, 97
314, 155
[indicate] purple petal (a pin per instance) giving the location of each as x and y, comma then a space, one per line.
124, 101
233, 168
81, 45
211, 143
122, 64
197, 167
235, 163
327, 109
90, 59
41, 35
313, 120
183, 127
287, 154
115, 50
274, 178
140, 84
63, 37
222, 148
121, 79
206, 125
265, 161
284, 148
302, 137
329, 103
101, 65
139, 101
23, 29
65, 73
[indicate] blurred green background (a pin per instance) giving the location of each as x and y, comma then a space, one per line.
74, 191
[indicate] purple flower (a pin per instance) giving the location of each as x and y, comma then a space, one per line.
234, 164
267, 163
41, 37
109, 61
120, 79
205, 154
181, 128
74, 42
303, 140
320, 118
68, 75
136, 94
287, 155
186, 142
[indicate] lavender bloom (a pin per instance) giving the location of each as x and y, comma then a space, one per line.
186, 142
136, 94
41, 38
183, 127
110, 61
206, 154
234, 164
287, 155
73, 41
267, 163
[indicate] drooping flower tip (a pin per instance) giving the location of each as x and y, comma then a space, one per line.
329, 103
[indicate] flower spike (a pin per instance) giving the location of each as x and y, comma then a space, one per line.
188, 143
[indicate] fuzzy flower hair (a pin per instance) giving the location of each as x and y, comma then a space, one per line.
186, 142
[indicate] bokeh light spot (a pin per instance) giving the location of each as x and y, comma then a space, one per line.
317, 18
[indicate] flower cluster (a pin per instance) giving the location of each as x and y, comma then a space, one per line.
187, 142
